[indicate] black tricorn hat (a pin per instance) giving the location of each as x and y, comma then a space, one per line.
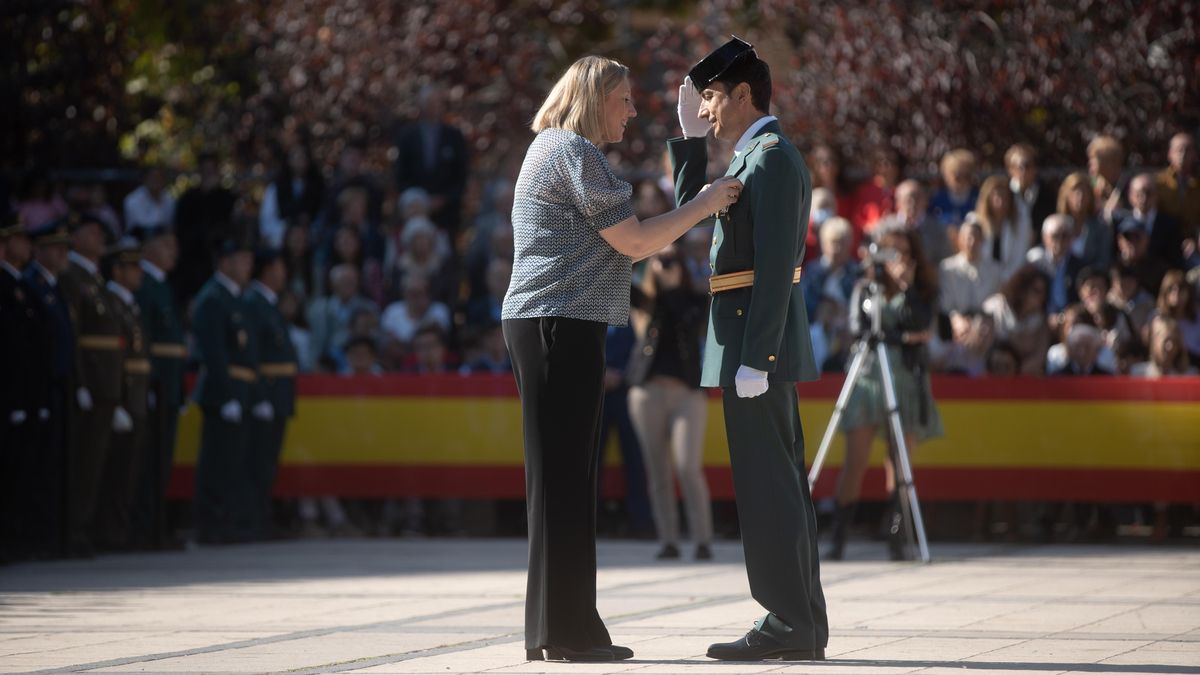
263, 257
127, 251
713, 66
12, 225
229, 246
51, 233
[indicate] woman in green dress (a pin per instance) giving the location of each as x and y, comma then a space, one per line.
910, 296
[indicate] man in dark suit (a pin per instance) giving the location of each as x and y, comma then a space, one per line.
97, 377
432, 155
274, 397
168, 355
1166, 241
1032, 198
758, 343
54, 357
228, 374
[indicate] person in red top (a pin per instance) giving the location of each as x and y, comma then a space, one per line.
874, 198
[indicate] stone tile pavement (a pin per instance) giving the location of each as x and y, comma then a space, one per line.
444, 606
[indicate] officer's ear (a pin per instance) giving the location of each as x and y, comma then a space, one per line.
741, 94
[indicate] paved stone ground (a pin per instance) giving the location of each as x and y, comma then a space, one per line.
438, 606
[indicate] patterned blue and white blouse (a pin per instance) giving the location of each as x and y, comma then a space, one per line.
566, 194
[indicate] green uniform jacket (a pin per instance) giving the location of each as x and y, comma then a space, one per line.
98, 357
164, 332
764, 326
275, 354
225, 348
135, 382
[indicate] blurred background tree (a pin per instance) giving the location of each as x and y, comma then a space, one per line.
95, 82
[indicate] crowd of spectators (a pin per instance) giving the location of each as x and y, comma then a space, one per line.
1096, 273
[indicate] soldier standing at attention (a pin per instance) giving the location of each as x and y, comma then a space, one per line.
228, 372
46, 483
168, 354
275, 393
758, 343
20, 323
127, 452
97, 378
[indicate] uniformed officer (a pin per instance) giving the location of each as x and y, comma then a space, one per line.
46, 505
758, 343
168, 356
20, 323
228, 373
97, 377
275, 393
126, 455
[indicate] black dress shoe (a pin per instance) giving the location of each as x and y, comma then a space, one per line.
619, 653
668, 552
703, 552
758, 646
594, 654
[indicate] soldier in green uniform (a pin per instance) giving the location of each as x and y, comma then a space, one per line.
228, 374
126, 454
168, 355
275, 393
758, 343
97, 375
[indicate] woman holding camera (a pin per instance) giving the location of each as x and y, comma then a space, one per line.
666, 403
909, 297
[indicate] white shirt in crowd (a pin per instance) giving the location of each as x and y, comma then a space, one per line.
1015, 241
141, 208
965, 285
397, 323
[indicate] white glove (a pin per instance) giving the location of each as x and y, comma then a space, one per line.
688, 110
17, 418
121, 422
232, 411
750, 382
84, 398
43, 414
264, 411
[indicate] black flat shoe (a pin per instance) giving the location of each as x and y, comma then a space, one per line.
703, 552
595, 654
758, 646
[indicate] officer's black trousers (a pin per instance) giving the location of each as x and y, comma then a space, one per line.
87, 456
266, 442
559, 366
223, 507
126, 461
150, 522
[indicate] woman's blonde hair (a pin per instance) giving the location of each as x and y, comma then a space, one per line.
1075, 180
992, 224
576, 103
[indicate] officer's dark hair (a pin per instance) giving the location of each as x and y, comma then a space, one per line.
754, 72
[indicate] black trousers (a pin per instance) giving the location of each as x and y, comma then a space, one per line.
262, 457
222, 503
559, 366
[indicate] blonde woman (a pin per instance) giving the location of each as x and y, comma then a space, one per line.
1093, 235
574, 237
1005, 238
